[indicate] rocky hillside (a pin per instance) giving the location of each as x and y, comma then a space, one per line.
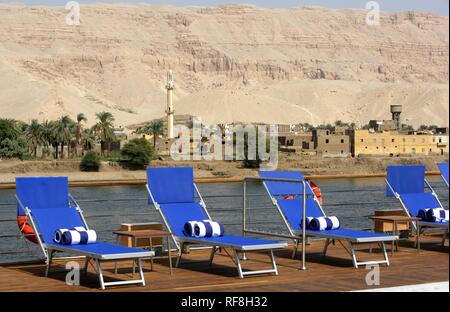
231, 63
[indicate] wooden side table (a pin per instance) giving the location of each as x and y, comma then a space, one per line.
150, 235
395, 220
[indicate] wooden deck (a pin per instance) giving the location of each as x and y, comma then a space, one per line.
331, 273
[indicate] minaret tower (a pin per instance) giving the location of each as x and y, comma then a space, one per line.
170, 111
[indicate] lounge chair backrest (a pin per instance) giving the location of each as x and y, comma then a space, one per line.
49, 220
416, 201
293, 208
406, 179
173, 189
443, 168
177, 215
48, 200
285, 188
43, 192
171, 185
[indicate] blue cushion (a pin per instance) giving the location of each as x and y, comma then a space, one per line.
343, 232
231, 240
434, 224
178, 214
415, 202
443, 168
292, 210
100, 248
43, 192
285, 188
405, 179
49, 220
171, 185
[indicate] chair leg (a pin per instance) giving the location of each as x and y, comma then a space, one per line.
86, 265
49, 262
444, 237
141, 272
211, 257
353, 254
100, 274
386, 257
295, 251
325, 248
180, 252
274, 264
238, 263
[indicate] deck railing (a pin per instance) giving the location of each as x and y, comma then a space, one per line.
13, 248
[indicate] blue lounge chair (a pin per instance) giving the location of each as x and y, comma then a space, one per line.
407, 183
172, 191
291, 213
49, 206
443, 168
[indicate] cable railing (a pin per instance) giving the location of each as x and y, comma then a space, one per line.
216, 204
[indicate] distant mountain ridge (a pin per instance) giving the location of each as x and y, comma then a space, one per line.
231, 63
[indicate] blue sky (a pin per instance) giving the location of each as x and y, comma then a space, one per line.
435, 6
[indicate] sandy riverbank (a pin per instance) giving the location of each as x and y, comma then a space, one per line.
9, 169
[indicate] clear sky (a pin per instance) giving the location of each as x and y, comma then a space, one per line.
439, 7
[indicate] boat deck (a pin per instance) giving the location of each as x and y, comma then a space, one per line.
331, 273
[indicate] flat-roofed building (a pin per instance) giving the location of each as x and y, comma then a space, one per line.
367, 142
332, 142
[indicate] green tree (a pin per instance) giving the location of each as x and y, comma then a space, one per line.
423, 128
8, 129
154, 128
406, 127
325, 127
432, 127
81, 118
16, 148
90, 162
104, 130
35, 136
87, 139
50, 134
137, 153
63, 130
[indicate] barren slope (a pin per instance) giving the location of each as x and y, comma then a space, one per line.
231, 63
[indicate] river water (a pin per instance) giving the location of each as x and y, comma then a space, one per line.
105, 208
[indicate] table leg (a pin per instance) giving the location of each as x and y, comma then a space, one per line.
115, 263
134, 262
151, 258
418, 235
393, 242
397, 234
170, 254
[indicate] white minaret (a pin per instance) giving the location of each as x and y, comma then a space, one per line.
170, 111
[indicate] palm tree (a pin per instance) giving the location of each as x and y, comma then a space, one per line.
87, 139
62, 130
35, 136
50, 136
104, 130
80, 119
9, 129
155, 128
